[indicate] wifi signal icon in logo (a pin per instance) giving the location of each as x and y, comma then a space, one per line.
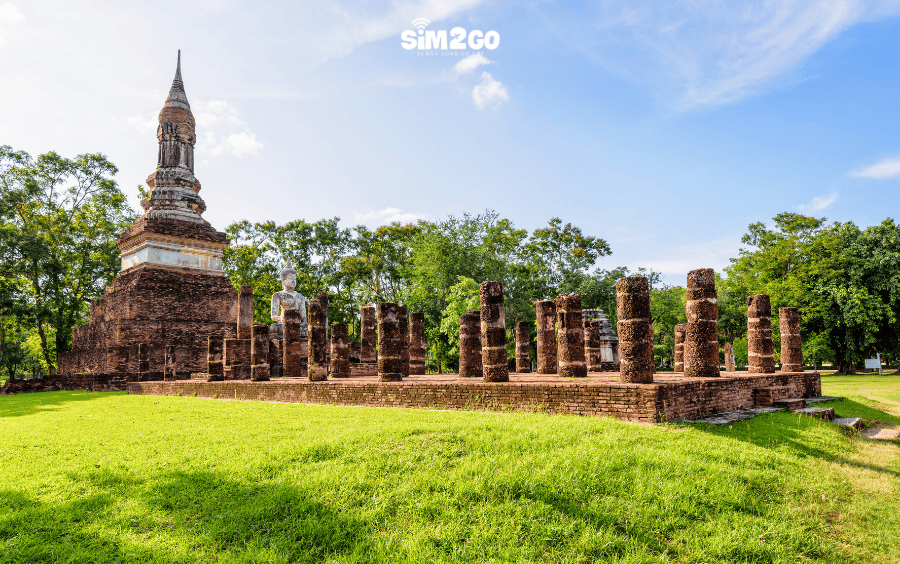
420, 24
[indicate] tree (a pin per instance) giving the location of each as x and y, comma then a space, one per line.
60, 220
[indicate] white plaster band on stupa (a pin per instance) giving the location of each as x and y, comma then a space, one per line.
207, 261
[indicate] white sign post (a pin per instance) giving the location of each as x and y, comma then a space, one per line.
874, 363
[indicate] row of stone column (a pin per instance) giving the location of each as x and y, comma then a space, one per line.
697, 341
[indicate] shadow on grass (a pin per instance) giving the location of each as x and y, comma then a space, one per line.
794, 433
19, 405
178, 517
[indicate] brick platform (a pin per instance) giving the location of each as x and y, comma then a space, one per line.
670, 397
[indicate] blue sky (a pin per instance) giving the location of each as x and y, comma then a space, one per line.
664, 128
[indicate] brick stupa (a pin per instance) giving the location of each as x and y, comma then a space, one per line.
171, 289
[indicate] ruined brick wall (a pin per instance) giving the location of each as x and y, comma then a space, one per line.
160, 307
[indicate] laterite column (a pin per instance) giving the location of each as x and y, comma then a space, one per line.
592, 355
390, 342
523, 348
680, 330
701, 340
245, 313
791, 345
403, 318
570, 344
635, 330
546, 337
367, 331
470, 345
276, 368
317, 341
292, 345
259, 353
215, 366
493, 332
340, 351
760, 348
417, 343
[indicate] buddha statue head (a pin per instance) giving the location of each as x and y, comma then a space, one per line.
288, 277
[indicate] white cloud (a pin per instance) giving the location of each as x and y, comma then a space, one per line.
677, 261
888, 168
818, 203
9, 14
387, 216
709, 52
489, 92
145, 123
471, 63
237, 144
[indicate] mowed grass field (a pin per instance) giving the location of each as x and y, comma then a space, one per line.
108, 477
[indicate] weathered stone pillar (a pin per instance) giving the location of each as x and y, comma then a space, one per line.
215, 365
701, 340
237, 359
354, 352
760, 347
367, 330
390, 342
169, 363
593, 346
245, 313
417, 343
276, 354
729, 357
143, 358
570, 336
791, 345
493, 333
323, 297
680, 330
318, 370
635, 329
546, 337
470, 345
259, 353
340, 351
292, 347
523, 348
403, 318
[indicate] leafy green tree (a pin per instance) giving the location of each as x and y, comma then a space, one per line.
60, 220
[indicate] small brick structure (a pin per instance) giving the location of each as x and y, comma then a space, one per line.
317, 367
259, 353
470, 345
294, 353
546, 336
493, 332
570, 337
668, 398
701, 340
635, 329
680, 330
237, 359
340, 351
523, 347
760, 348
215, 366
276, 357
368, 333
791, 344
354, 351
592, 354
416, 343
390, 342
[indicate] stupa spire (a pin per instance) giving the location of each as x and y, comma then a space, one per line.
177, 97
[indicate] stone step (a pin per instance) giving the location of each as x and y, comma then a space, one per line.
790, 403
765, 397
852, 422
826, 413
881, 434
823, 399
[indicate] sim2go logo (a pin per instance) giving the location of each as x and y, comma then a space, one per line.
437, 39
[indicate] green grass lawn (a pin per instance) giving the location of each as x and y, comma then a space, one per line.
108, 477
